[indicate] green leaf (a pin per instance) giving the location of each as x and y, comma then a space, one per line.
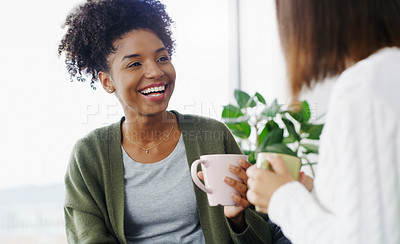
231, 111
262, 135
251, 103
288, 140
252, 156
241, 130
271, 110
310, 148
272, 125
242, 98
274, 136
313, 130
302, 114
260, 98
269, 126
291, 129
279, 148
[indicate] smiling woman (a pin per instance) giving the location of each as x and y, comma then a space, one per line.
129, 182
43, 114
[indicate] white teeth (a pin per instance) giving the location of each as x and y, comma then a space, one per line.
153, 89
155, 95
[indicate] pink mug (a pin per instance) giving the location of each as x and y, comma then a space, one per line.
215, 168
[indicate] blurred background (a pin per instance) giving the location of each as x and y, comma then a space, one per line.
221, 45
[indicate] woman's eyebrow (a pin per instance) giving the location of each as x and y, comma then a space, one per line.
137, 55
130, 56
160, 50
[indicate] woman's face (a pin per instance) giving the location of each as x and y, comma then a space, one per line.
141, 73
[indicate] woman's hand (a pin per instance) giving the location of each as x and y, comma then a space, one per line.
263, 183
235, 213
306, 180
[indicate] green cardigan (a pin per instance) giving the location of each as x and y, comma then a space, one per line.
94, 182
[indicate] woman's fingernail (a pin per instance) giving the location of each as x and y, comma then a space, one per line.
227, 179
233, 167
235, 196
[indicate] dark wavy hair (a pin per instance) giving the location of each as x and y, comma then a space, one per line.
95, 25
319, 36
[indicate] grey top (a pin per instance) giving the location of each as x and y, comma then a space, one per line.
160, 204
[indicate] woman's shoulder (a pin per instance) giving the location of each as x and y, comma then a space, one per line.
382, 65
375, 78
99, 137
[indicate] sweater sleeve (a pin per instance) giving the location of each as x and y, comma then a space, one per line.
356, 188
84, 214
257, 231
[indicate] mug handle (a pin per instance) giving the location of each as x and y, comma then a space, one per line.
195, 177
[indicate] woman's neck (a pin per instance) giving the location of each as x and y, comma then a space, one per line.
148, 127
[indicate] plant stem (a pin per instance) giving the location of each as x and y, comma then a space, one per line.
310, 165
257, 136
312, 170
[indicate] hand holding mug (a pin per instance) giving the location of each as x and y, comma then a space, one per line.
217, 168
235, 213
263, 183
225, 182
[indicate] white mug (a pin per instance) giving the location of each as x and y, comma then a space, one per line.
293, 164
215, 169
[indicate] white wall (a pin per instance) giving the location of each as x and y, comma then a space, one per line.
262, 60
201, 58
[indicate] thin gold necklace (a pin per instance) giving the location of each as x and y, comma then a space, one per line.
148, 149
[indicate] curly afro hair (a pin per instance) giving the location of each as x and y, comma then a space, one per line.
95, 25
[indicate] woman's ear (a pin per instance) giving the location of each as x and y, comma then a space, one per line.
106, 82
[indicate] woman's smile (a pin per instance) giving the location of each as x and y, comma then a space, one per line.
154, 92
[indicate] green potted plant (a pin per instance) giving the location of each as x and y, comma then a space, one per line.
271, 127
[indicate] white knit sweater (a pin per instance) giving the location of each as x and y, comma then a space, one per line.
357, 188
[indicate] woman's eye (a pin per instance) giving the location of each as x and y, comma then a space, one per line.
135, 64
163, 58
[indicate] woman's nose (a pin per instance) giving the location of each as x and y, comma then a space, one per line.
153, 71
